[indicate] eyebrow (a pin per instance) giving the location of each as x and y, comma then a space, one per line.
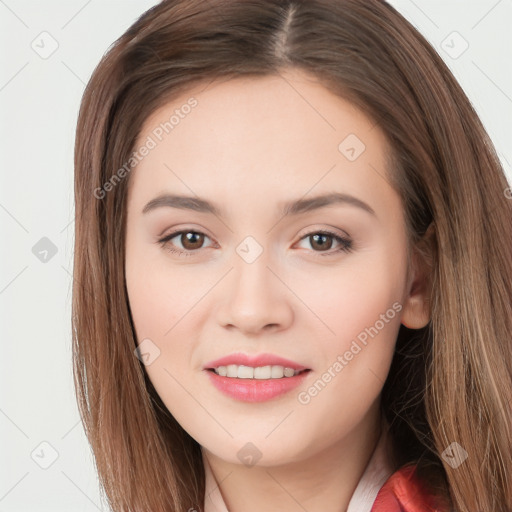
294, 207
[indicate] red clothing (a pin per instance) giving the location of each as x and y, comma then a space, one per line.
403, 491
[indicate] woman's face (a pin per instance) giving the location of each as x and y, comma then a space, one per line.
259, 268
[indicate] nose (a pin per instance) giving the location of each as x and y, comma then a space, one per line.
255, 299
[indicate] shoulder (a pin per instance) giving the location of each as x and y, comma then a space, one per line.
404, 491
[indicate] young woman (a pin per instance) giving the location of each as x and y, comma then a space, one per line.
293, 271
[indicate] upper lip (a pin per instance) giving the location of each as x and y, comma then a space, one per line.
257, 360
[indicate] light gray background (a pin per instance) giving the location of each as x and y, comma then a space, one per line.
39, 100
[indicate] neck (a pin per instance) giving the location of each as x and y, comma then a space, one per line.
324, 481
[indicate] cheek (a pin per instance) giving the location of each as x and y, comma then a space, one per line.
358, 306
165, 303
353, 296
149, 299
159, 294
162, 303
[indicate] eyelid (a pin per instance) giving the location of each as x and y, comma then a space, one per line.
178, 228
329, 229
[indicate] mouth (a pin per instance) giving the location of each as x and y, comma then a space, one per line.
255, 378
268, 372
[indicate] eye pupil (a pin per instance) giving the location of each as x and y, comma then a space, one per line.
193, 238
318, 240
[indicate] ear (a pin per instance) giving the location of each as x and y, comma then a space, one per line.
416, 311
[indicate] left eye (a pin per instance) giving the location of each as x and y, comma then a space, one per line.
191, 241
318, 239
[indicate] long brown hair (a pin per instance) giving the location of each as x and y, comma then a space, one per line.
449, 382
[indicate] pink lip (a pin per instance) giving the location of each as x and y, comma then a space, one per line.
255, 390
254, 361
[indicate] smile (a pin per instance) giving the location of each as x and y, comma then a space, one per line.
259, 372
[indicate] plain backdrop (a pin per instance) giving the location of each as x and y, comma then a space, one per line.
49, 51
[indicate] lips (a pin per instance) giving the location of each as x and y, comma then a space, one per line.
255, 361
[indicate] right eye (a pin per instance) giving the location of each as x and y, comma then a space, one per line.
190, 241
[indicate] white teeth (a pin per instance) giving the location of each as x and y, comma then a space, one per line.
232, 370
245, 372
260, 372
263, 372
289, 372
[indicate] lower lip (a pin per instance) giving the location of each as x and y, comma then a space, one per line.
255, 390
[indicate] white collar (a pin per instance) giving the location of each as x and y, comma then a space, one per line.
376, 473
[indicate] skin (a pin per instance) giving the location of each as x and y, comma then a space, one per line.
248, 145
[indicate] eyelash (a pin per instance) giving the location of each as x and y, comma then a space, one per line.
345, 243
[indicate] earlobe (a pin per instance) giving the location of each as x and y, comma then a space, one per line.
417, 311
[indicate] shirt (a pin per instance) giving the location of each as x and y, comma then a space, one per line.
379, 489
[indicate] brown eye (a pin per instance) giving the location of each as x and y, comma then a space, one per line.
191, 240
321, 241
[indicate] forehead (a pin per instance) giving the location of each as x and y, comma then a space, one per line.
266, 133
